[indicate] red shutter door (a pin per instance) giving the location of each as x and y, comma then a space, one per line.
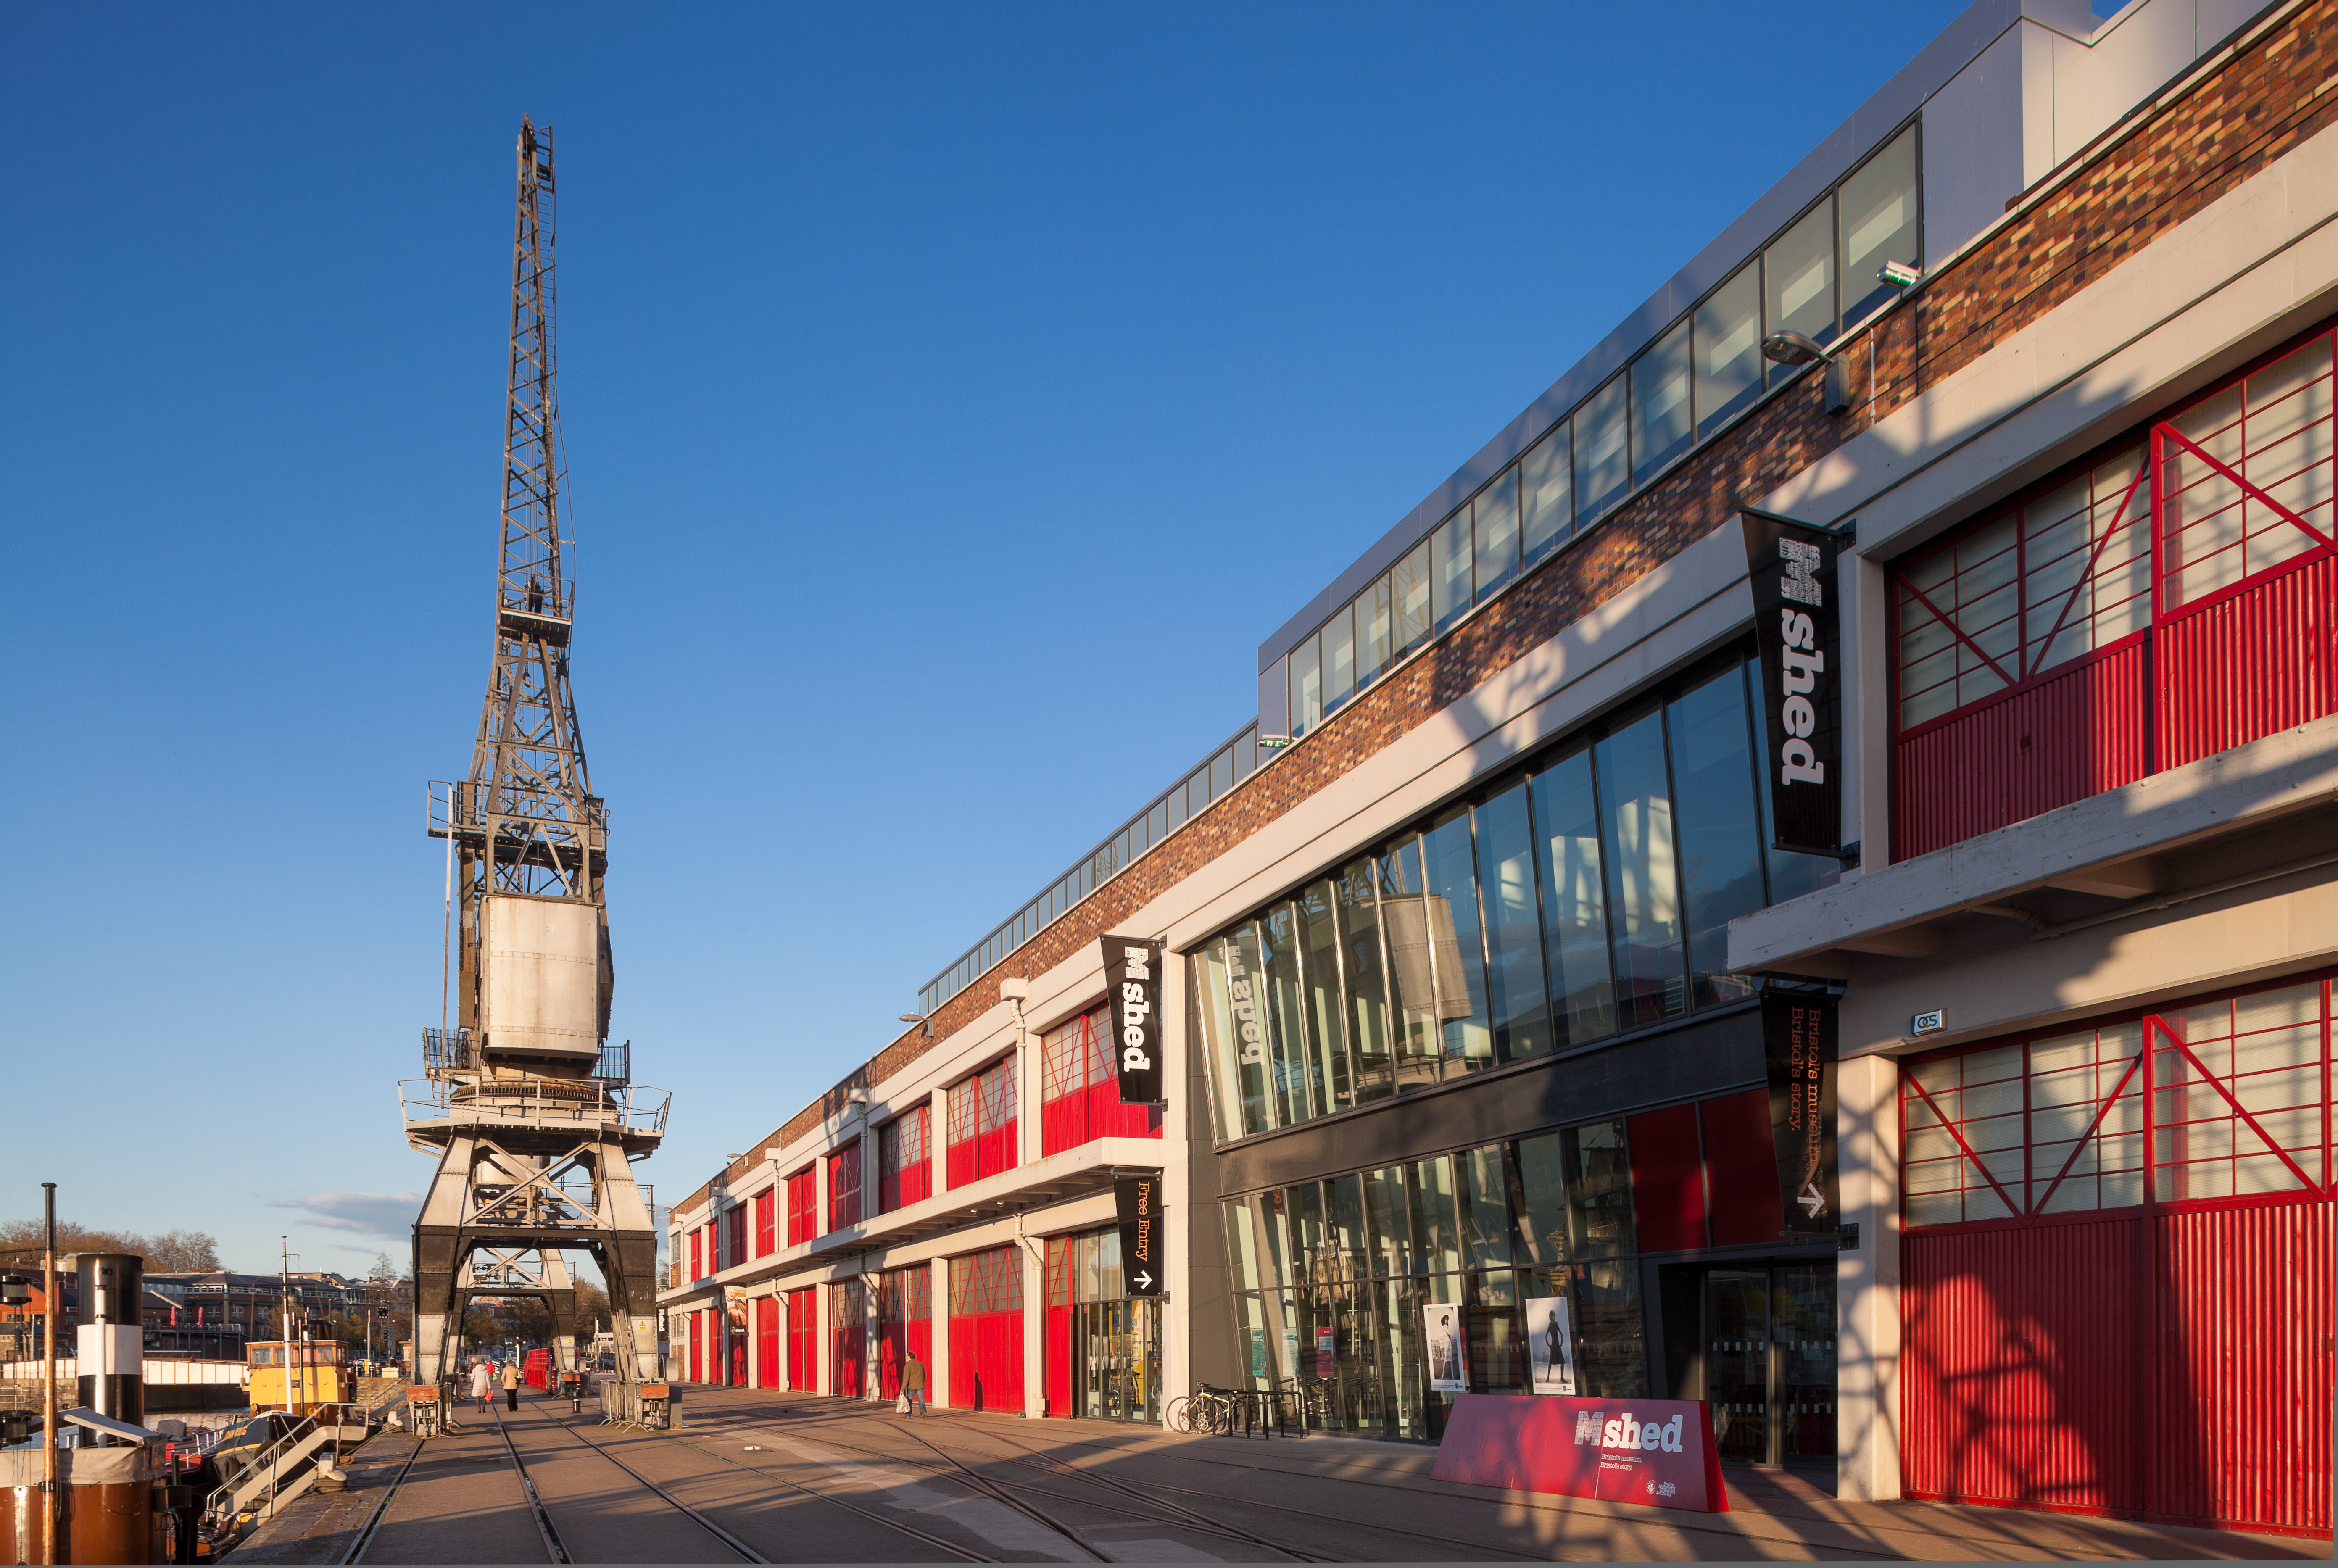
767, 1342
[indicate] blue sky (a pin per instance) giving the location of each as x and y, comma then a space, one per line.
932, 378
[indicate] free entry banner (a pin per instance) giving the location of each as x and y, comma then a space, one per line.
1798, 1043
1658, 1452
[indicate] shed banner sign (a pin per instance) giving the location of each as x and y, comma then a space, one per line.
1132, 978
1798, 1042
1797, 625
1138, 1198
1658, 1452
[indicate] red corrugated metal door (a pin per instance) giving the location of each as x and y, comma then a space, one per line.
2018, 1367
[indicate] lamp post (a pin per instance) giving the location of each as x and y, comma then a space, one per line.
1789, 347
49, 1371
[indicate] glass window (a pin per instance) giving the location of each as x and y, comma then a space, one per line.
1368, 1014
1295, 1085
1274, 1232
1878, 225
1384, 1215
1242, 1241
1662, 421
1800, 269
1306, 688
1339, 659
1602, 469
1450, 550
1541, 1199
1514, 984
1310, 1255
1643, 873
1598, 1189
1436, 1244
1728, 350
1720, 842
1221, 779
1412, 998
1497, 532
1375, 631
1246, 975
1344, 1221
1574, 901
1408, 588
1319, 934
1548, 483
1484, 1194
1450, 874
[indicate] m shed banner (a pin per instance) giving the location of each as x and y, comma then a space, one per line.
1797, 626
1132, 978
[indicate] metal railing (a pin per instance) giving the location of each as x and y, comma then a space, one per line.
581, 1102
447, 1051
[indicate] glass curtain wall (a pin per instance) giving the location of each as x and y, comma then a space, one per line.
1586, 894
1332, 1277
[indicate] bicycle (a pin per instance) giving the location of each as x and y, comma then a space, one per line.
1204, 1412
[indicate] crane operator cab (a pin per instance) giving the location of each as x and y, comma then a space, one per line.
302, 1376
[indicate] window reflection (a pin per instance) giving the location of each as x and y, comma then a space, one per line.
1728, 350
1450, 553
1497, 534
1339, 659
1305, 684
1375, 631
1547, 482
1643, 874
1800, 271
1662, 409
1602, 469
1589, 894
1514, 979
1408, 588
1878, 225
1450, 873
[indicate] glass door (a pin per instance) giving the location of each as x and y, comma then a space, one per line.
1802, 1328
1770, 1362
1117, 1376
1737, 1361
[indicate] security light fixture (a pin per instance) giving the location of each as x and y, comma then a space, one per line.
1791, 348
15, 1290
1899, 274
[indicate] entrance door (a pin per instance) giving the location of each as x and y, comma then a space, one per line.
1116, 1375
1770, 1362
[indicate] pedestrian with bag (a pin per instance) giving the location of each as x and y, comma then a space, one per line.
511, 1385
913, 1387
482, 1383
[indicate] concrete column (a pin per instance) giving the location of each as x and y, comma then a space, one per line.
1867, 1281
869, 1315
1033, 1253
1026, 1100
1866, 715
1179, 1056
937, 1369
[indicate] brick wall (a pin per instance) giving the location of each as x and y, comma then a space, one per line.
2144, 177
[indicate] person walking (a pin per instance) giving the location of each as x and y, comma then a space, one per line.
913, 1385
511, 1385
482, 1383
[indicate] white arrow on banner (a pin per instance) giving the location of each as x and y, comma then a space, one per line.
1811, 1200
1144, 1281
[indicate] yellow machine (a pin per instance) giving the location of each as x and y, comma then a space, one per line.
297, 1377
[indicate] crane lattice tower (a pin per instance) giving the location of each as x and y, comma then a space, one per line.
533, 1118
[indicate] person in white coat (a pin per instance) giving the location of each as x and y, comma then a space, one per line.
483, 1384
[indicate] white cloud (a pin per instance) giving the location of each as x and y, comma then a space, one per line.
388, 1215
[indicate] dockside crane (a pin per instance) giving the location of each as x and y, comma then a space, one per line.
534, 1117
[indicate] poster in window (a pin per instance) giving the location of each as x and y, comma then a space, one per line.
1447, 1343
735, 1305
1550, 1345
1257, 1352
1327, 1354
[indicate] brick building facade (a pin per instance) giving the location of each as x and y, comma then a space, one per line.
1506, 907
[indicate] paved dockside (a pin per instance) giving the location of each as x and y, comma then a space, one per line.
800, 1478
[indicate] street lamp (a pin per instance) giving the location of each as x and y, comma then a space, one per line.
920, 1018
1785, 347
